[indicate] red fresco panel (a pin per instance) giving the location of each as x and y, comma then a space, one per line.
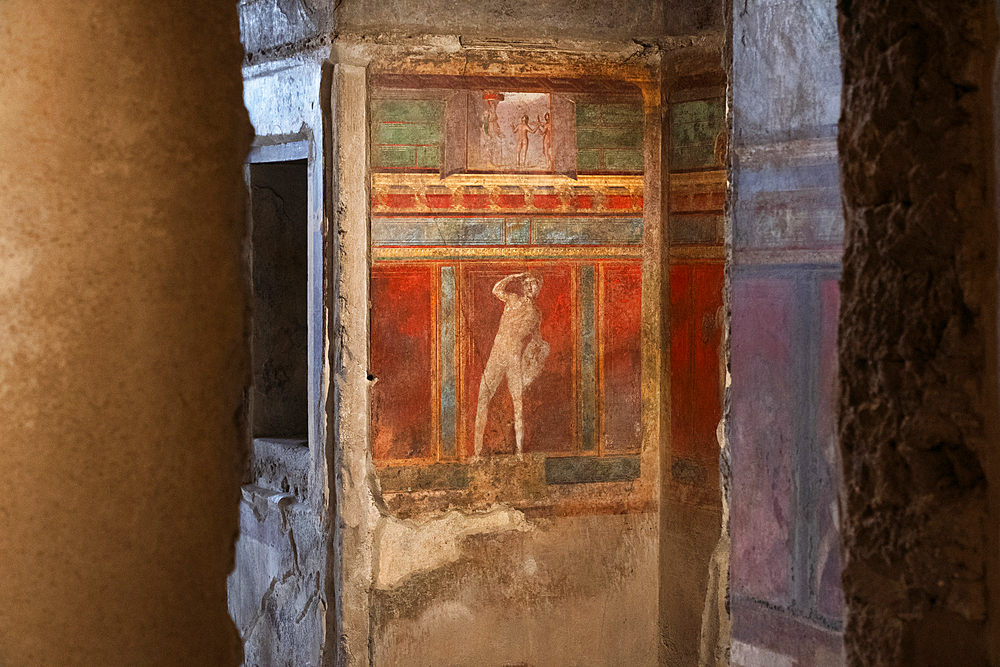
681, 371
707, 406
622, 357
762, 437
550, 412
828, 566
402, 327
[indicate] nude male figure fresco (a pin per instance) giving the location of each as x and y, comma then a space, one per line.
518, 353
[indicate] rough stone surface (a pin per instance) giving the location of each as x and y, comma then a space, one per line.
268, 25
506, 19
276, 590
279, 593
689, 17
122, 352
917, 332
278, 28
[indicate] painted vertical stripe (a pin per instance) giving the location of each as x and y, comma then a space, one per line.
588, 383
447, 352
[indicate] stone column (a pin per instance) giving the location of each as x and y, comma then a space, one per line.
918, 404
122, 353
357, 512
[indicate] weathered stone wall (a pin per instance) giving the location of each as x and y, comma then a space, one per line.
504, 20
279, 593
270, 28
918, 422
279, 28
122, 353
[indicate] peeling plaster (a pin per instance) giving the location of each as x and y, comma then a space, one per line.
406, 548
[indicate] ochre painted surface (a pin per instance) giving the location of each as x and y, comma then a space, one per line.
570, 591
122, 349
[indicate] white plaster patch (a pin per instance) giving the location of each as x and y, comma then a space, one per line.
406, 548
746, 655
282, 98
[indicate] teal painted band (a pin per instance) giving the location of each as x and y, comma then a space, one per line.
591, 469
449, 410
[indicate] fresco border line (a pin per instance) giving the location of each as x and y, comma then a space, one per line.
512, 253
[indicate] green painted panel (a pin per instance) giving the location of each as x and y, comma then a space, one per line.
695, 228
408, 134
408, 111
616, 160
518, 231
590, 469
692, 133
586, 231
688, 471
587, 137
437, 231
693, 156
429, 156
695, 126
609, 137
437, 476
622, 114
588, 160
588, 114
395, 156
710, 112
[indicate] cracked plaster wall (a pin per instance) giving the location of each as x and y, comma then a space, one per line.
504, 579
492, 586
918, 403
561, 592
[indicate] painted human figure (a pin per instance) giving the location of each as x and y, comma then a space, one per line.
521, 132
491, 133
518, 353
545, 127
